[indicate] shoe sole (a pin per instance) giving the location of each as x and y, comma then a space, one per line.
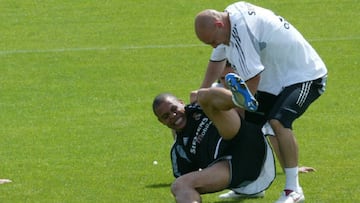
242, 96
233, 195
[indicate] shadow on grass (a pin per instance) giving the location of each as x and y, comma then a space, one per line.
234, 200
279, 173
158, 185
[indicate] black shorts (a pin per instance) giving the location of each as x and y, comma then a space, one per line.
289, 105
248, 150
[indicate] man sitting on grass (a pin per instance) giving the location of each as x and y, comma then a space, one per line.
215, 148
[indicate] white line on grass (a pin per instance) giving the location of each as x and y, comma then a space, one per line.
170, 46
27, 51
335, 39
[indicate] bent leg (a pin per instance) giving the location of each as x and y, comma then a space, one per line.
287, 144
275, 147
189, 187
218, 106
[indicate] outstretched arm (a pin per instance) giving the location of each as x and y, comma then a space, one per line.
213, 72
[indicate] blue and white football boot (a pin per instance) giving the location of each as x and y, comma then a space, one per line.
241, 94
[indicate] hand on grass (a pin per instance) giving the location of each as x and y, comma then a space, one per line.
306, 169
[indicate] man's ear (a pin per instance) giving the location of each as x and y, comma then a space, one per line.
219, 23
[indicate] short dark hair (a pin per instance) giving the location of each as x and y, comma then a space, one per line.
160, 98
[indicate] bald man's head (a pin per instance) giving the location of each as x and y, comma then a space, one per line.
205, 23
209, 27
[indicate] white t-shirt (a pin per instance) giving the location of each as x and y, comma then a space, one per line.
262, 42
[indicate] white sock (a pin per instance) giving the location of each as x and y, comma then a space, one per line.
292, 179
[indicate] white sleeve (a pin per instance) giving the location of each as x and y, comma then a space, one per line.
218, 54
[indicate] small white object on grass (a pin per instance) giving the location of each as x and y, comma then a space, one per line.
2, 181
155, 162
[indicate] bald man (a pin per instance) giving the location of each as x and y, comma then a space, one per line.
279, 66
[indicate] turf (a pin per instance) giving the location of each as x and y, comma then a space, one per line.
77, 79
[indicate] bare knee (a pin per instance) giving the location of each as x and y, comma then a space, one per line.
184, 191
276, 125
179, 185
279, 129
203, 96
176, 187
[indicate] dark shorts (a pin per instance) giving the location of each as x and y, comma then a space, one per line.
248, 150
289, 105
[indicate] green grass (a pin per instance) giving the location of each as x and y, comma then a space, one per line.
77, 79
